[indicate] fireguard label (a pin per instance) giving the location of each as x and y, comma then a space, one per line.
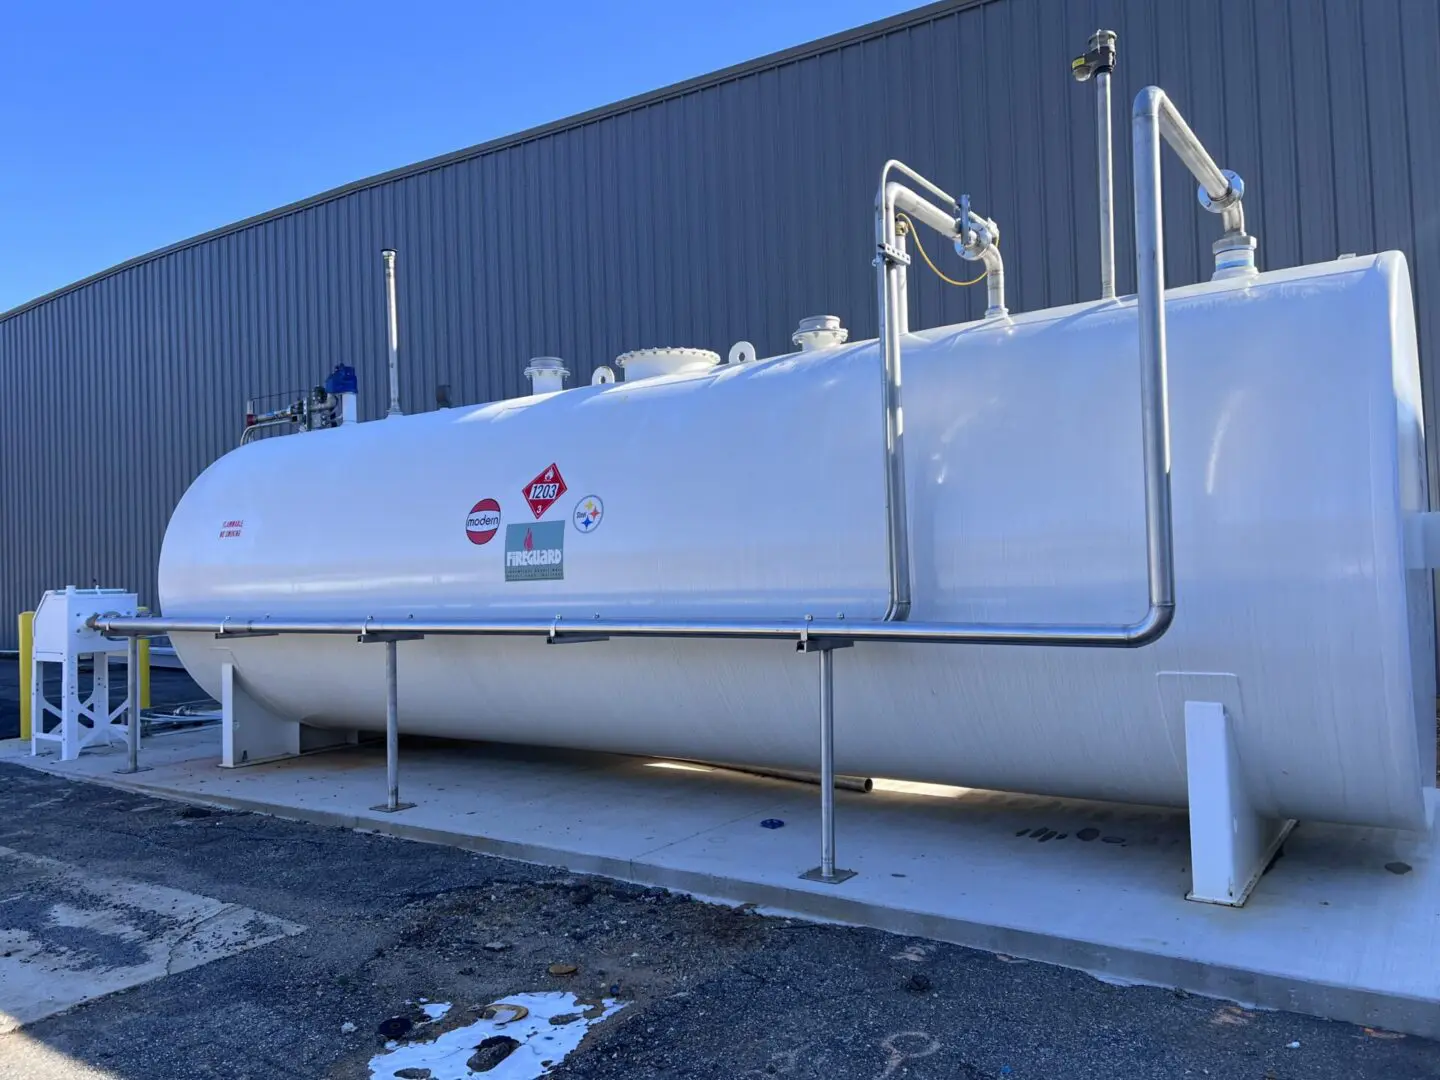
535, 552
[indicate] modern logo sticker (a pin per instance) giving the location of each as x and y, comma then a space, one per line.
545, 490
588, 513
483, 521
535, 552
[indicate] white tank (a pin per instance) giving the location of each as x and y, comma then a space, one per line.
758, 490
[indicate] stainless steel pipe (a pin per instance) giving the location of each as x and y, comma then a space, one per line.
392, 727
1154, 110
1150, 107
826, 873
1130, 635
894, 297
1104, 149
862, 784
392, 801
1150, 305
827, 764
891, 285
902, 200
392, 332
132, 705
902, 278
994, 264
260, 425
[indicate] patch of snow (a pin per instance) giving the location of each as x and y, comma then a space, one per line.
435, 1010
915, 952
543, 1045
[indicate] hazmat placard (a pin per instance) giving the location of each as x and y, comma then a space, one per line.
545, 490
535, 552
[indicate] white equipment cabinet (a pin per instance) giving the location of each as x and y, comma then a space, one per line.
62, 637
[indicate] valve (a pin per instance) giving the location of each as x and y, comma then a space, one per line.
1099, 58
973, 233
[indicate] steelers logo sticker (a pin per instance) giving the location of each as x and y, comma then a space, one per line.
589, 512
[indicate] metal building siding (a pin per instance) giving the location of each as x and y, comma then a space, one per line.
724, 209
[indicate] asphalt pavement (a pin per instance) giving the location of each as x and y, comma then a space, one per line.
711, 991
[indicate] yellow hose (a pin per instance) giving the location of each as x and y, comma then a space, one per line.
910, 228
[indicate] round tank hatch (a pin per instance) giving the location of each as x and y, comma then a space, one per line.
648, 363
819, 332
546, 374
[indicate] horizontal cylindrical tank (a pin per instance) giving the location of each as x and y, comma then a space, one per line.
757, 490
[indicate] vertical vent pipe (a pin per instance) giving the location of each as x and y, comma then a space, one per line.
1097, 63
392, 333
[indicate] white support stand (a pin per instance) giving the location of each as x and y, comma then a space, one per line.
63, 638
1230, 843
250, 733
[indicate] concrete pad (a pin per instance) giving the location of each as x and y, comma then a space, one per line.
1329, 930
67, 936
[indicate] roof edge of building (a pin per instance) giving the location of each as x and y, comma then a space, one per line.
879, 28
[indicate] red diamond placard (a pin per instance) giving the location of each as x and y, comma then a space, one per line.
545, 490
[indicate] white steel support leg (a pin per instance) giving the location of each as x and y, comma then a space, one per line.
1230, 843
103, 719
99, 700
826, 871
250, 732
38, 713
70, 708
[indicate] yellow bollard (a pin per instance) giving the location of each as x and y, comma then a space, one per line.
144, 665
144, 673
27, 669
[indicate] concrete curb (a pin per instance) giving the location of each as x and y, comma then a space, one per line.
1106, 962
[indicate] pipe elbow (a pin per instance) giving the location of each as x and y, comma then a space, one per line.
1152, 627
1149, 103
881, 194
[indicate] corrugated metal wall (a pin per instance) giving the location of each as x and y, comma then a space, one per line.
726, 209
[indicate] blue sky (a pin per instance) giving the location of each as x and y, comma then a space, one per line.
132, 125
